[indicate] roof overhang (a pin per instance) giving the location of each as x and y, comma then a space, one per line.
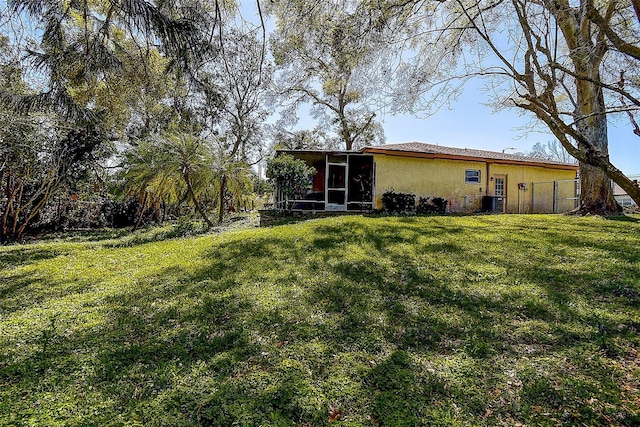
311, 152
443, 156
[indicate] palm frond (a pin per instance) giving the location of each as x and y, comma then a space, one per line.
33, 7
180, 36
94, 57
58, 100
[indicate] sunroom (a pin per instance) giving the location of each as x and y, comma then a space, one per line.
344, 181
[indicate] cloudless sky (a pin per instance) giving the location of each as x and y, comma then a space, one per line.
468, 123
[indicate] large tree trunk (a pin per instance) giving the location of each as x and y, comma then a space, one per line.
587, 54
596, 193
596, 190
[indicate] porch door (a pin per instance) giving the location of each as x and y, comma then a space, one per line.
500, 192
336, 186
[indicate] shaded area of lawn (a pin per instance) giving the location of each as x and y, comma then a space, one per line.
493, 320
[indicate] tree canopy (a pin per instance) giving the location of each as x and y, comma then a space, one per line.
178, 97
84, 48
326, 55
564, 62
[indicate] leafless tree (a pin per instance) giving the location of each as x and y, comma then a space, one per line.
565, 62
551, 150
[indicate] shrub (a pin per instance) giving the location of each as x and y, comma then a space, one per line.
119, 214
405, 203
395, 203
435, 205
290, 175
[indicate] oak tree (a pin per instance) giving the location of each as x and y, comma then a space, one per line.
571, 64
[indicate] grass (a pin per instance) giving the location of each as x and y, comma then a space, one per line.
349, 321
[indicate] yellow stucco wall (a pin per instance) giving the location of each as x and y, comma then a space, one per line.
446, 178
520, 200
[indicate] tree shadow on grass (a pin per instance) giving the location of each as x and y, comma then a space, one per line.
367, 305
141, 345
15, 286
25, 290
278, 330
481, 318
623, 218
402, 395
19, 255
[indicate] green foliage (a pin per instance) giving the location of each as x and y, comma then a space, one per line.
326, 53
428, 205
165, 171
93, 54
42, 159
449, 321
36, 166
405, 203
398, 203
150, 176
289, 175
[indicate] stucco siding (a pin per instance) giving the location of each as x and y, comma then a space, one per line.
430, 178
445, 178
519, 198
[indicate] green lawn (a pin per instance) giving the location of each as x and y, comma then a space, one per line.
350, 321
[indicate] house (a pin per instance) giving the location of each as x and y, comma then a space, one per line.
621, 196
471, 180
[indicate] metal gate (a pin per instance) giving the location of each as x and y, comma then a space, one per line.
555, 196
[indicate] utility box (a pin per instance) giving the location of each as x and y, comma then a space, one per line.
493, 204
488, 203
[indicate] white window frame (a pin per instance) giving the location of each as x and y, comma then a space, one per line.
472, 180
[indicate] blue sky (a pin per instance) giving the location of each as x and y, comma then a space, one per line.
468, 123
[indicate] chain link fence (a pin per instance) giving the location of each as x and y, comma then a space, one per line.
555, 196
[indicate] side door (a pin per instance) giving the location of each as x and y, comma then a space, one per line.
500, 192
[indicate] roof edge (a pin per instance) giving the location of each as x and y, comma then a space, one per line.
417, 154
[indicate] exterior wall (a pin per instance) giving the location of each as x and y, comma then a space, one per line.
519, 200
430, 178
446, 178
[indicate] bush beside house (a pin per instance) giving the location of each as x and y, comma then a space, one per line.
405, 203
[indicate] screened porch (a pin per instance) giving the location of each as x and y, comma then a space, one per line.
344, 181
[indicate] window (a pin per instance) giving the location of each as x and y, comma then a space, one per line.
472, 176
627, 202
499, 187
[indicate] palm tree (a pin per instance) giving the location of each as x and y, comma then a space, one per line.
232, 184
180, 166
83, 43
191, 159
170, 168
147, 177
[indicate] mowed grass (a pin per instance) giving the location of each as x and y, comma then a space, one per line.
347, 321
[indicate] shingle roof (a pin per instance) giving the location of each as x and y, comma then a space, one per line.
420, 147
